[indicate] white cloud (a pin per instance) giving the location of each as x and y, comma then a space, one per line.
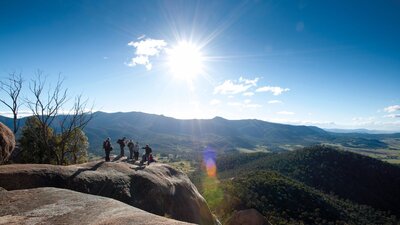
149, 47
144, 50
285, 113
248, 94
392, 108
141, 60
252, 106
235, 103
363, 119
359, 122
245, 104
373, 123
247, 81
235, 87
229, 87
392, 116
274, 90
324, 124
275, 102
215, 102
21, 113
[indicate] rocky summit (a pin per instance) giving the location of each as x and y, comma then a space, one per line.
61, 206
156, 188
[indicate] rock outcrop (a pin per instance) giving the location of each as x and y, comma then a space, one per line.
157, 188
61, 206
247, 217
7, 143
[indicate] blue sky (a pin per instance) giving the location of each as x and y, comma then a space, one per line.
325, 63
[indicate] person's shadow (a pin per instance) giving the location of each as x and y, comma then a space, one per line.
116, 158
79, 171
140, 167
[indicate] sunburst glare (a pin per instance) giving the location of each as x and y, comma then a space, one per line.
185, 60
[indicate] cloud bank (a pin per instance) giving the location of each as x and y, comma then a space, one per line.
392, 108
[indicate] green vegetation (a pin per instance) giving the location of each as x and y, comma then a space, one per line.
350, 176
315, 185
34, 148
285, 201
40, 145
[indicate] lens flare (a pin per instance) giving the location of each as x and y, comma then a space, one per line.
209, 162
211, 168
212, 191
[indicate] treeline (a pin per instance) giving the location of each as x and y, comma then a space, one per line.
285, 201
54, 131
315, 185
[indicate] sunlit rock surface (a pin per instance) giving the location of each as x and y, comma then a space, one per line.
157, 188
61, 206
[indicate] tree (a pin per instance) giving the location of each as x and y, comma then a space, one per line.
13, 89
72, 136
75, 148
47, 108
33, 147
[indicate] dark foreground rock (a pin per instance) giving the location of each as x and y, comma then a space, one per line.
247, 217
157, 188
61, 206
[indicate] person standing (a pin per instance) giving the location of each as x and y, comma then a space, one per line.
107, 148
131, 147
146, 156
122, 143
136, 151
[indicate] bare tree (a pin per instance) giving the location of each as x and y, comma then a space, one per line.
77, 119
13, 88
47, 107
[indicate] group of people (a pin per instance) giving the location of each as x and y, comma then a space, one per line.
133, 150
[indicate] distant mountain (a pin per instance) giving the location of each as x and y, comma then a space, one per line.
361, 131
171, 135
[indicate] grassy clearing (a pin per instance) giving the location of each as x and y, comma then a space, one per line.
390, 155
259, 148
183, 165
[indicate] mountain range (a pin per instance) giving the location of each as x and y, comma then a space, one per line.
169, 135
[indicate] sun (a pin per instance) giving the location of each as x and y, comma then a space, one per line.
185, 61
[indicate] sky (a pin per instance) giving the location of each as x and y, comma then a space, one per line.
333, 64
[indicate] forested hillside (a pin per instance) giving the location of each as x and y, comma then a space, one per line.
313, 185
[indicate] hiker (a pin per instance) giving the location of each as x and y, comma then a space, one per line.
131, 147
136, 151
146, 155
107, 148
122, 143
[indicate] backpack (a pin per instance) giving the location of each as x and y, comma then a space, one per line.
107, 145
